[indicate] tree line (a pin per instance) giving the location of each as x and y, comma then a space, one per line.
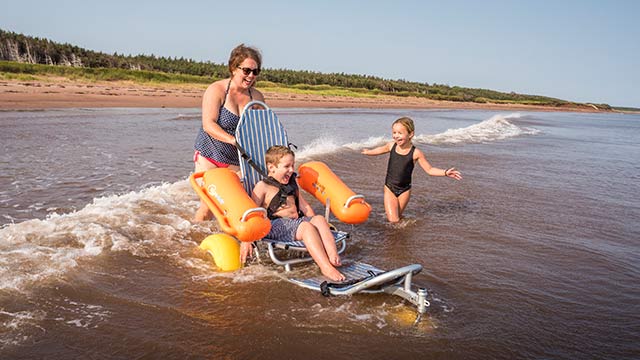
33, 50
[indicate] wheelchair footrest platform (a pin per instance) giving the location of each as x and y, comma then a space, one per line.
361, 277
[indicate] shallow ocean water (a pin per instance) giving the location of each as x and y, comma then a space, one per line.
534, 254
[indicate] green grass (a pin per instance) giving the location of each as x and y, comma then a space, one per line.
99, 74
322, 90
20, 77
31, 72
628, 109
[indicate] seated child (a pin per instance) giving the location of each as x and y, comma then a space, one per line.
291, 216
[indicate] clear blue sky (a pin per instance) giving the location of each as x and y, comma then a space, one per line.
585, 51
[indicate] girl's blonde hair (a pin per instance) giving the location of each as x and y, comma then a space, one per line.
275, 153
406, 122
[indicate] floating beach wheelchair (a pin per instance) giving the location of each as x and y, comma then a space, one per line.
241, 219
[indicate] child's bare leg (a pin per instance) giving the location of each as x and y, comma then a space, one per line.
391, 206
403, 200
308, 233
328, 241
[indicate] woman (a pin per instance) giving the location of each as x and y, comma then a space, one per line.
222, 104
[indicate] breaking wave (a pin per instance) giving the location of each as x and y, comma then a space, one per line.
37, 250
496, 128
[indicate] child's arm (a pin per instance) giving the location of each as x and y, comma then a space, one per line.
258, 193
304, 206
434, 171
379, 150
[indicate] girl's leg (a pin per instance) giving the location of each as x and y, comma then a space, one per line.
328, 240
309, 235
391, 206
403, 200
394, 205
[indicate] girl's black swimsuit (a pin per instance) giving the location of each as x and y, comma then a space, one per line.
399, 171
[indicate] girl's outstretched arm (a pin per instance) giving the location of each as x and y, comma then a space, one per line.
379, 150
418, 155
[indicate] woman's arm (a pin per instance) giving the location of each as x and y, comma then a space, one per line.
211, 102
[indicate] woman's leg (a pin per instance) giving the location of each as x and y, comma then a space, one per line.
203, 212
202, 164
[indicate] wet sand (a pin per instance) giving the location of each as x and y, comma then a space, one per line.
31, 95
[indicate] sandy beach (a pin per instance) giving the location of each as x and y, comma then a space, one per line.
30, 95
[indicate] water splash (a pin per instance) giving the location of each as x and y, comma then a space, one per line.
37, 250
318, 147
14, 326
498, 127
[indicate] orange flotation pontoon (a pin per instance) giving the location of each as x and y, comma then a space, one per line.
240, 219
317, 179
237, 214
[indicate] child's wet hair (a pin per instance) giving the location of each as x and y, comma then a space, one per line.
406, 122
277, 152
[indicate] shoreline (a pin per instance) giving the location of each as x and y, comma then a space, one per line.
38, 94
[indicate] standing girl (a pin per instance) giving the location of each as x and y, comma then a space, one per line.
402, 158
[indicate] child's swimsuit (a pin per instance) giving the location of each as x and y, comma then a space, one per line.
213, 149
284, 229
399, 170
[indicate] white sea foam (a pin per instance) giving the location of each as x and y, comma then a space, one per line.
35, 251
369, 143
13, 325
318, 147
498, 127
82, 315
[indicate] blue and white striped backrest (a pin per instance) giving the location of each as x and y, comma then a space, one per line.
257, 131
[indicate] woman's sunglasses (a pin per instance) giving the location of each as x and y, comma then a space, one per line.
246, 71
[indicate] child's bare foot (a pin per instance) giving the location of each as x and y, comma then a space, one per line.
332, 274
335, 260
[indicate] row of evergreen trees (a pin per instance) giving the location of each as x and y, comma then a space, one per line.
27, 49
33, 50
